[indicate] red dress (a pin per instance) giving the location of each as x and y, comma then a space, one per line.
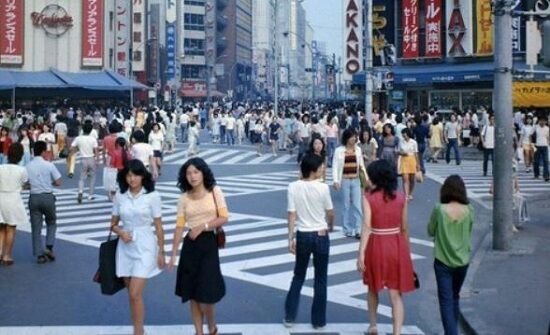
388, 261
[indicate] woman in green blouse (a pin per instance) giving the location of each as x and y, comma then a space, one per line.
451, 227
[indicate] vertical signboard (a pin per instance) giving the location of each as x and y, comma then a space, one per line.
410, 29
92, 33
210, 31
517, 29
353, 38
122, 37
12, 31
434, 15
383, 28
153, 45
138, 35
484, 28
459, 28
171, 19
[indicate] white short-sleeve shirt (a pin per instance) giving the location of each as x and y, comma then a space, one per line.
86, 145
310, 200
143, 152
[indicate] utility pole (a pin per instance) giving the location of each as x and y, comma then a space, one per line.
368, 66
275, 5
502, 101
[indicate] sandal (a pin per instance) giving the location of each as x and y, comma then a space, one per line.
7, 262
215, 332
41, 259
49, 253
372, 330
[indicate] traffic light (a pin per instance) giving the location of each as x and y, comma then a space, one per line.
388, 80
546, 43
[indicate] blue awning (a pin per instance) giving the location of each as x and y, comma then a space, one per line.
447, 73
105, 80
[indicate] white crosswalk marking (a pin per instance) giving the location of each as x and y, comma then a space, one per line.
477, 185
228, 156
257, 249
235, 329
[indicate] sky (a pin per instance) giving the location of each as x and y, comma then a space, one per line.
325, 17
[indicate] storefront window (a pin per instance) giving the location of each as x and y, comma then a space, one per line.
476, 99
445, 100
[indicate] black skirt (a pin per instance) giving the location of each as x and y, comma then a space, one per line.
199, 275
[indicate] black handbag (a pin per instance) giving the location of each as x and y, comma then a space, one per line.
106, 273
416, 281
220, 233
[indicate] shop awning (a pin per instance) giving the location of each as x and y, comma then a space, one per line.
531, 94
429, 74
6, 81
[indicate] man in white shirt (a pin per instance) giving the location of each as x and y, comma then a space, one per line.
542, 139
230, 129
451, 135
310, 212
488, 143
184, 122
88, 148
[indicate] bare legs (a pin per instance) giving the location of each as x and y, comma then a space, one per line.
7, 238
398, 312
199, 312
528, 155
408, 185
137, 309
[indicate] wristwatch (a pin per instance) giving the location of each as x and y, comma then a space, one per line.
206, 226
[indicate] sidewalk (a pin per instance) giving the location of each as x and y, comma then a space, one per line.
509, 292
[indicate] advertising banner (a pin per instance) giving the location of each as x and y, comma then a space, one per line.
138, 35
12, 31
193, 89
171, 18
383, 27
410, 29
434, 15
531, 94
459, 28
484, 28
353, 38
122, 37
92, 33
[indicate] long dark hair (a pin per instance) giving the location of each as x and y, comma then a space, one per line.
121, 143
199, 163
382, 173
323, 150
136, 167
453, 189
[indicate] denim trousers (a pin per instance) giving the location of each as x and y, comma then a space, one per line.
486, 154
183, 128
222, 134
541, 158
449, 282
353, 210
421, 151
453, 144
230, 136
331, 147
308, 243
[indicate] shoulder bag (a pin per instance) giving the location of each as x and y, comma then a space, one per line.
220, 233
106, 273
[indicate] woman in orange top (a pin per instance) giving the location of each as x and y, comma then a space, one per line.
202, 208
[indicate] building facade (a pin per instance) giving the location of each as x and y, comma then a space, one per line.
263, 28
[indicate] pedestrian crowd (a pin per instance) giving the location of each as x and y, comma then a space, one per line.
365, 169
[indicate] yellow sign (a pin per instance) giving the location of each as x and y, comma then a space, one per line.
484, 20
531, 94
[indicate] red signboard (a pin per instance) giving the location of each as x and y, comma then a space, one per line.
193, 89
410, 29
12, 31
92, 33
434, 15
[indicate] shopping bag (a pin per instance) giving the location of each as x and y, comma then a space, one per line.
106, 273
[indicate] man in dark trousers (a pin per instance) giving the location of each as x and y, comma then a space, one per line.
43, 175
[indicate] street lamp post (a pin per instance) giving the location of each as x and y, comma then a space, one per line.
275, 5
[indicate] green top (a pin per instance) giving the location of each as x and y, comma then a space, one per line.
452, 237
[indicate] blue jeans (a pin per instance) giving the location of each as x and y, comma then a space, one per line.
3, 158
353, 210
230, 135
541, 157
421, 151
453, 143
183, 127
222, 134
308, 243
449, 282
331, 147
486, 154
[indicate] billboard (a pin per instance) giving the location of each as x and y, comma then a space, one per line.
383, 27
92, 33
12, 32
459, 28
411, 29
171, 20
484, 28
434, 15
138, 35
122, 37
353, 38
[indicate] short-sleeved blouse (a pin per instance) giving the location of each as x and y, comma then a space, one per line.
196, 212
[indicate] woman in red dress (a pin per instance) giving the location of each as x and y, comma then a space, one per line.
384, 253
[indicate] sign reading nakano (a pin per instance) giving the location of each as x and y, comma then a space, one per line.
92, 33
12, 32
410, 29
433, 28
353, 37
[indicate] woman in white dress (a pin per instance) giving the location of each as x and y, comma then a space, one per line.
13, 179
48, 137
192, 138
170, 133
156, 140
139, 254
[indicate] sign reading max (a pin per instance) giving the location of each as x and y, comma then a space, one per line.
353, 39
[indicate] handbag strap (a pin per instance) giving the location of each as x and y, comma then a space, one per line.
215, 204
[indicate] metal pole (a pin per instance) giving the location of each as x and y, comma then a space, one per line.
502, 101
275, 5
368, 65
13, 99
313, 73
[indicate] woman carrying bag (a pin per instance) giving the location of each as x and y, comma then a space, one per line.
139, 254
203, 209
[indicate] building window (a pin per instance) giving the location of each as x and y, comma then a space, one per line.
137, 18
137, 56
194, 47
194, 22
194, 2
445, 100
137, 36
193, 72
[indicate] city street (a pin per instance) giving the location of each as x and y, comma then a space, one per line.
256, 263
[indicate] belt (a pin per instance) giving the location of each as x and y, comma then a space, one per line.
388, 231
322, 232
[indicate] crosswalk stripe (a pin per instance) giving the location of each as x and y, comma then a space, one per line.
241, 157
219, 156
260, 159
283, 159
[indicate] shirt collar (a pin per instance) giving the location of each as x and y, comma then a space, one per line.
137, 196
